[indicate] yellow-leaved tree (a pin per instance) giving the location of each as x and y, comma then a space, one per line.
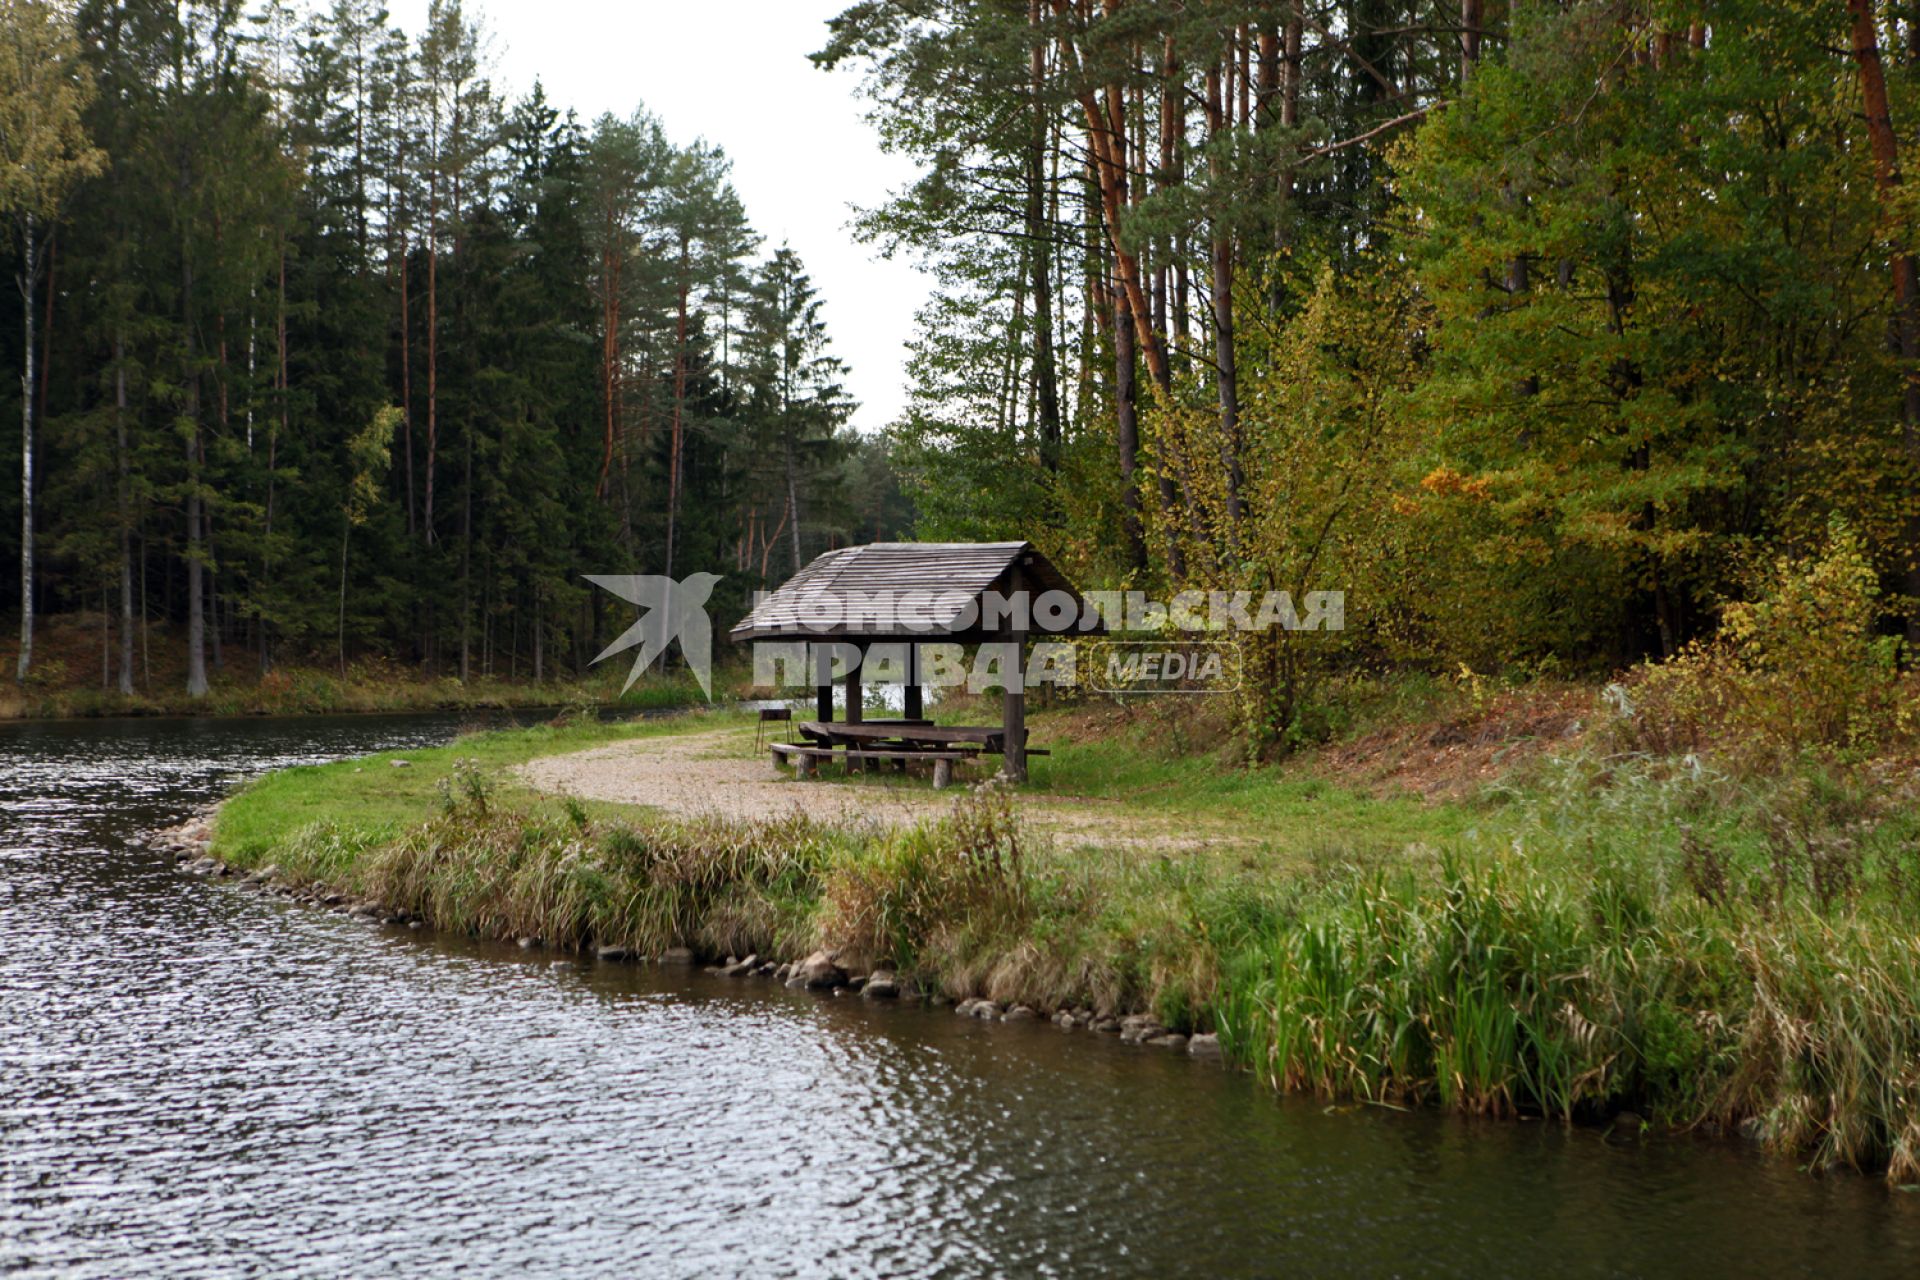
44, 153
1322, 446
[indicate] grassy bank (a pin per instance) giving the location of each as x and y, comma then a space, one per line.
1595, 933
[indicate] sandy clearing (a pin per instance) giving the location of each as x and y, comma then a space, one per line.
719, 773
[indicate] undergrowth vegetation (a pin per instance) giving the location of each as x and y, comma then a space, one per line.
1798, 667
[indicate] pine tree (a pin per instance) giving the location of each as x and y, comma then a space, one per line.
799, 402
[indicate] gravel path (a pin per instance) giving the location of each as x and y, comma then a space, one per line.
707, 773
719, 772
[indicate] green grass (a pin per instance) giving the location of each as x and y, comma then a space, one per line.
1140, 780
1281, 810
370, 799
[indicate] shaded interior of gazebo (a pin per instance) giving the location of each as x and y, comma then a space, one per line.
954, 585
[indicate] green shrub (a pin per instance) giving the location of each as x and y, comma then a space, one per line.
1798, 667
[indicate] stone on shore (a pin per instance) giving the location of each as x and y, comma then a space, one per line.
818, 972
881, 985
1019, 1013
677, 955
1205, 1046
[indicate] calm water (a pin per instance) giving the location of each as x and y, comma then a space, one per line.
198, 1080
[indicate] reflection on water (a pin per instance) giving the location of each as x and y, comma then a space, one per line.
196, 1079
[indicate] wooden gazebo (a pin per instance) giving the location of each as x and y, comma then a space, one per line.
854, 597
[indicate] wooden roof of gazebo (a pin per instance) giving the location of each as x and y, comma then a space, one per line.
954, 577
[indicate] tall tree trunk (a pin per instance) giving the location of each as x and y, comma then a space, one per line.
1127, 428
346, 535
466, 560
196, 612
539, 642
1173, 123
679, 409
792, 516
1107, 148
1225, 377
29, 269
46, 336
406, 367
1287, 72
1040, 246
1469, 37
276, 428
124, 497
610, 341
433, 354
1906, 326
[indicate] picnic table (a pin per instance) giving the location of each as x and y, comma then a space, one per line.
906, 735
899, 741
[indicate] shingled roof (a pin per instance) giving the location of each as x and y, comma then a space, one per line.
947, 580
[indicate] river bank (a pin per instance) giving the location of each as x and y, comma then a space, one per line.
71, 680
1590, 939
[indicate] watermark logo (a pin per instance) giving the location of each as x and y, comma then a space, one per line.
931, 613
669, 610
1128, 643
1156, 666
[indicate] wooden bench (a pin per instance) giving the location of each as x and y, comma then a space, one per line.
804, 757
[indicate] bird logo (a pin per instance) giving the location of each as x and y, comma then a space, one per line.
669, 611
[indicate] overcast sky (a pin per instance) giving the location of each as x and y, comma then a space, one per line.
736, 74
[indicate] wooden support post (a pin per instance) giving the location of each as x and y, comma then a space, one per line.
1014, 718
855, 712
1013, 714
803, 766
913, 709
1013, 725
942, 774
823, 682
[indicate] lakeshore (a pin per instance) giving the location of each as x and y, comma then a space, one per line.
1583, 940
